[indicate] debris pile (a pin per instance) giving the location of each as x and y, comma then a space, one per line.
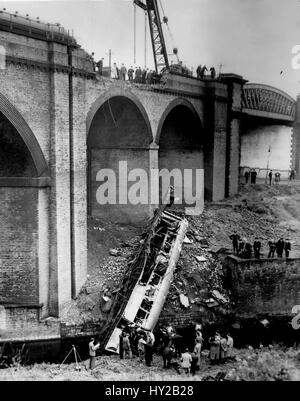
198, 281
199, 271
261, 211
105, 271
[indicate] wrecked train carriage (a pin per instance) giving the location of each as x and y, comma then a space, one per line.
156, 262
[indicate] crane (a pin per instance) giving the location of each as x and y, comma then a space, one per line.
157, 37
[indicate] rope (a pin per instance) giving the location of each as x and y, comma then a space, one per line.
161, 6
169, 30
111, 112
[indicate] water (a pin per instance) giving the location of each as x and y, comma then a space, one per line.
54, 351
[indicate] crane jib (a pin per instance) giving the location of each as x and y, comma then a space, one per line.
158, 42
140, 4
149, 5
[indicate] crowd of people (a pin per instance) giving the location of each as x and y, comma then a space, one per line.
279, 247
221, 348
146, 75
252, 175
187, 361
246, 250
140, 343
273, 178
201, 70
138, 75
133, 74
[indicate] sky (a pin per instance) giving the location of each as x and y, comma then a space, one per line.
252, 38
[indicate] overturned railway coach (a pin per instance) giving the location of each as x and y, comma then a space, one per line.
149, 294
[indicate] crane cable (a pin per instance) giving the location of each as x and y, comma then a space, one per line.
134, 34
112, 114
145, 39
165, 20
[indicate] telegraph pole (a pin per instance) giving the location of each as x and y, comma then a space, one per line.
109, 57
268, 164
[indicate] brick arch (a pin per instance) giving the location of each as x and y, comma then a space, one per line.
117, 92
171, 106
16, 119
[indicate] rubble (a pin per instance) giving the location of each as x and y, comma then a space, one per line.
200, 259
211, 303
207, 238
93, 289
220, 376
219, 297
184, 300
264, 322
241, 213
114, 252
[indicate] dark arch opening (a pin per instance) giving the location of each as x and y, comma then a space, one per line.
19, 280
118, 133
21, 127
180, 148
181, 129
15, 158
119, 122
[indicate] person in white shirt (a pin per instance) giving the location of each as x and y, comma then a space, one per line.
149, 349
141, 347
114, 71
152, 337
92, 353
197, 350
186, 360
229, 352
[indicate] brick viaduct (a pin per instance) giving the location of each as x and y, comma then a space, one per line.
59, 124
